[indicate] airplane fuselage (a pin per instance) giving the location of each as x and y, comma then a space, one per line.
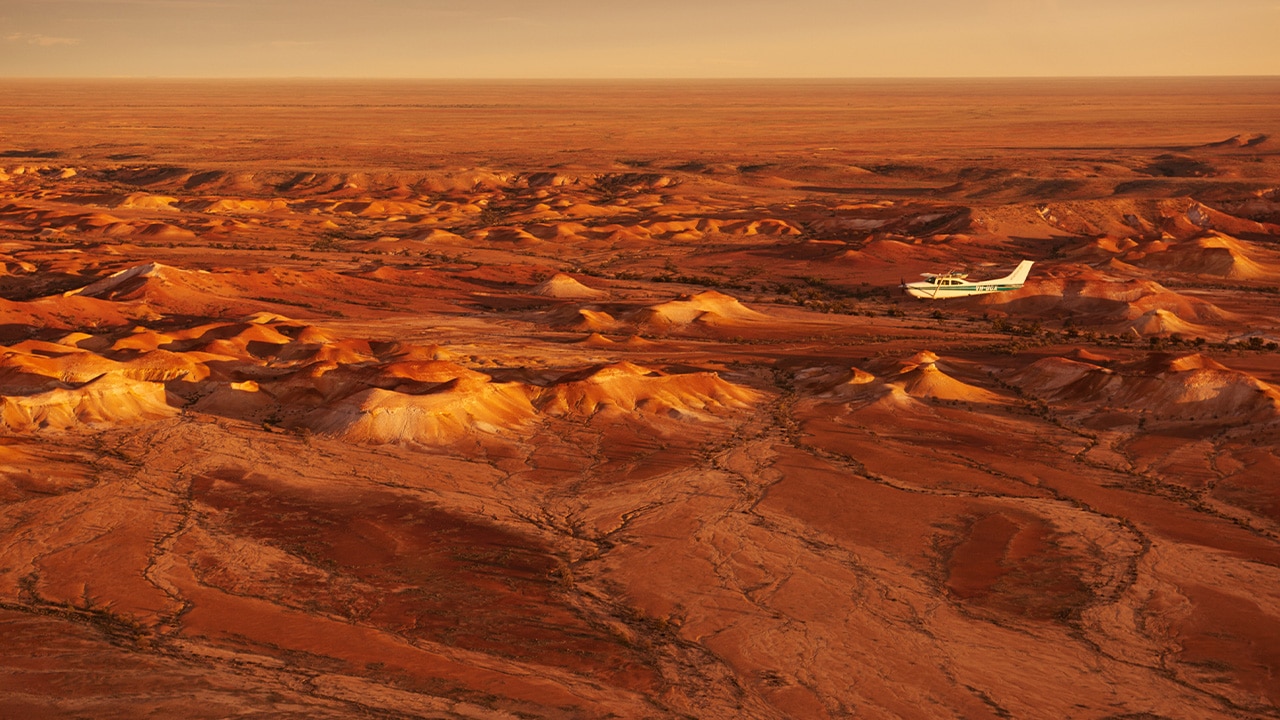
954, 285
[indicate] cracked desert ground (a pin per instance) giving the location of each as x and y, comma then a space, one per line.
486, 400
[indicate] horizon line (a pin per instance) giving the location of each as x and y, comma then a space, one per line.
797, 78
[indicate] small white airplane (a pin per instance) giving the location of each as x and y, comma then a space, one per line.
954, 284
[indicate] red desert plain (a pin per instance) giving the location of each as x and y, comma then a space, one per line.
603, 400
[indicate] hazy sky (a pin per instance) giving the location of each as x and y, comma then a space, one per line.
655, 38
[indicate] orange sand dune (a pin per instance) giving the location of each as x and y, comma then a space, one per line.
1165, 322
588, 320
566, 286
1185, 387
625, 388
107, 400
1213, 254
921, 376
445, 414
710, 308
1099, 299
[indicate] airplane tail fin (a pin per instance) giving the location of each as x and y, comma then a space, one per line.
1019, 274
